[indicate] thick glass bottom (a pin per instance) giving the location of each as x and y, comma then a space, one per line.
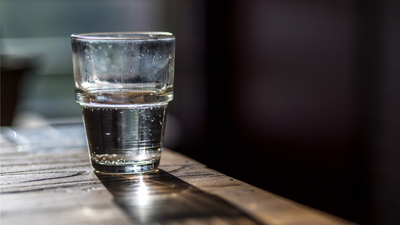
126, 169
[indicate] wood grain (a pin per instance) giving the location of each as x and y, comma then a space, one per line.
60, 187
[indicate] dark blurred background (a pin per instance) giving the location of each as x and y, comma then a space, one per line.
300, 98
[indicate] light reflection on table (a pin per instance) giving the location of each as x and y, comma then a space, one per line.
161, 198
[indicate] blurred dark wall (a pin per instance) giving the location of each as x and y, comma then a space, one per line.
294, 97
303, 101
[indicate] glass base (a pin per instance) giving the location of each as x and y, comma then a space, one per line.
126, 169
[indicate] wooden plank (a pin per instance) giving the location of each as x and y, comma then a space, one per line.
54, 192
60, 187
263, 205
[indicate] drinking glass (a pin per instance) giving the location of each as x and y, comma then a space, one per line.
124, 82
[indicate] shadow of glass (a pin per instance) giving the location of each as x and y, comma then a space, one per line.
161, 198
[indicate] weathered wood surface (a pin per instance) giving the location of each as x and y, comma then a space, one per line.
41, 186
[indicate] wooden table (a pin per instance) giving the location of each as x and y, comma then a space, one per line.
51, 182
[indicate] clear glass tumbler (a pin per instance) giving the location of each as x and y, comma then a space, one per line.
124, 82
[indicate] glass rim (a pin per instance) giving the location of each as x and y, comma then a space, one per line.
123, 35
